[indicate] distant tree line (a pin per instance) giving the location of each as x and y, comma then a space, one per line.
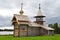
6, 30
56, 27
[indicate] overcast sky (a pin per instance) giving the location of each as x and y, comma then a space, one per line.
49, 8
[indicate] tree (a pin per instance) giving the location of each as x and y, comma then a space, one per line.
56, 27
58, 30
50, 25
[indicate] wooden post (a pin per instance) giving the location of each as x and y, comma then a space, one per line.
48, 32
27, 30
18, 30
14, 31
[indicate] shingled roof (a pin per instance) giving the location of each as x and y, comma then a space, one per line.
46, 27
21, 17
42, 26
39, 13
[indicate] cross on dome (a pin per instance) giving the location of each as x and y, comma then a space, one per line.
21, 11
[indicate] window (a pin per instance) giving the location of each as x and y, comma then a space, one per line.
23, 27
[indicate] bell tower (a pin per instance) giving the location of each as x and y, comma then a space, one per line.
39, 17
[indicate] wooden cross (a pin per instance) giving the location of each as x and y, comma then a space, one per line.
21, 6
39, 6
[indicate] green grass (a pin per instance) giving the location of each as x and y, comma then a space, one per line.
55, 37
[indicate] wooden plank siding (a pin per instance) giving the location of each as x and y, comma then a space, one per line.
25, 30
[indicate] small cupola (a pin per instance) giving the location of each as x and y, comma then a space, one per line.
21, 11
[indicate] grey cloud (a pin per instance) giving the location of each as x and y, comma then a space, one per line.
7, 4
49, 7
53, 20
5, 21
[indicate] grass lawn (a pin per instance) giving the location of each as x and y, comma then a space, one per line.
55, 37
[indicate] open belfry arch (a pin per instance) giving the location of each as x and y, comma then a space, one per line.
24, 27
